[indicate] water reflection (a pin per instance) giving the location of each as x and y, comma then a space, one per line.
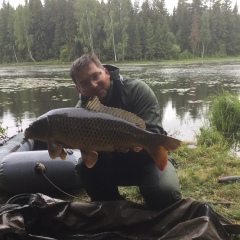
182, 91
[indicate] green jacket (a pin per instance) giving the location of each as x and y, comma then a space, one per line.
134, 96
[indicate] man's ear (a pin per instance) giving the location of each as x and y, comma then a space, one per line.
106, 71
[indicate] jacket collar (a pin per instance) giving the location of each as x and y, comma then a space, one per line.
114, 71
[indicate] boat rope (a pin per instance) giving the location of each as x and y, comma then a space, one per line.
41, 169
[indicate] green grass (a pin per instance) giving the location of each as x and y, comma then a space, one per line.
225, 115
214, 157
199, 170
223, 60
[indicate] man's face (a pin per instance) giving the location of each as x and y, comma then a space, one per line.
93, 81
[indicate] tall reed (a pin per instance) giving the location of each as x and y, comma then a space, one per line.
223, 121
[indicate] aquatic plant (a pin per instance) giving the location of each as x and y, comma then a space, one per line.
225, 114
3, 132
223, 124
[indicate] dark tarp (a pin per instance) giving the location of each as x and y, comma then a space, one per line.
37, 216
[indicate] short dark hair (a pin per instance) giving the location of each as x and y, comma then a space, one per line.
83, 61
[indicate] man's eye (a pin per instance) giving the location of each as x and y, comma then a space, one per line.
95, 76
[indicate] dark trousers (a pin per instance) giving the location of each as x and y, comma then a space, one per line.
159, 189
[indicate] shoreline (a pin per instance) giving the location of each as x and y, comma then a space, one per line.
163, 63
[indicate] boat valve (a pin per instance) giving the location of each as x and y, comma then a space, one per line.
40, 168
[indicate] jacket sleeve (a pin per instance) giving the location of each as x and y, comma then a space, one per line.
142, 101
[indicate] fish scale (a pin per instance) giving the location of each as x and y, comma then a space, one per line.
98, 128
91, 129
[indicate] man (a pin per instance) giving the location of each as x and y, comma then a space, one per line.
123, 167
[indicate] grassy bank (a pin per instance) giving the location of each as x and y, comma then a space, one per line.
195, 61
199, 170
198, 61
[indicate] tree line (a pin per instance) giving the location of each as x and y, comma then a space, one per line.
119, 30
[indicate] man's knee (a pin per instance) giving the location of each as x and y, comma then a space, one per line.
160, 198
161, 189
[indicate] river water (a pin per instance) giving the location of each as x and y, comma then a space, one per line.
27, 92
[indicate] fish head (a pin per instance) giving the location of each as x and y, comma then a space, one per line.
38, 130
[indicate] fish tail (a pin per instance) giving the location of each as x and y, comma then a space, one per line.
169, 143
160, 147
160, 157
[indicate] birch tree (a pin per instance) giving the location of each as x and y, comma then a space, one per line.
23, 39
205, 32
112, 26
36, 29
87, 23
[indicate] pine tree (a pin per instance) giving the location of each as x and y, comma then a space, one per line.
49, 22
145, 29
163, 40
72, 49
7, 48
194, 37
236, 31
134, 51
150, 41
218, 30
231, 31
183, 18
59, 39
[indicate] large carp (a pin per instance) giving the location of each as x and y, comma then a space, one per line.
98, 128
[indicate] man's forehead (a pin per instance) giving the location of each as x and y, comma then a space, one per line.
90, 68
88, 71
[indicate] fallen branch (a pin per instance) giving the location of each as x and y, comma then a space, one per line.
229, 179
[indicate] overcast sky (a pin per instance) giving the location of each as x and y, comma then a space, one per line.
169, 3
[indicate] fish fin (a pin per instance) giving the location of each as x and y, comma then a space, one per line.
63, 154
160, 157
137, 149
160, 147
89, 158
54, 149
95, 105
170, 143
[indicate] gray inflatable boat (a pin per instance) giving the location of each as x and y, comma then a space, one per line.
23, 162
